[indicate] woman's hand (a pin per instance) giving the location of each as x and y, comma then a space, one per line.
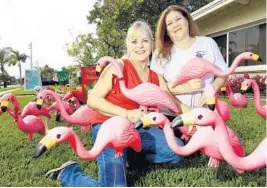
194, 85
134, 115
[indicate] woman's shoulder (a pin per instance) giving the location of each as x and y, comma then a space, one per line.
204, 39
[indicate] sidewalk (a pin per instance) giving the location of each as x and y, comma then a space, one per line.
8, 91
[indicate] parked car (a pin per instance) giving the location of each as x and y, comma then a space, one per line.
46, 82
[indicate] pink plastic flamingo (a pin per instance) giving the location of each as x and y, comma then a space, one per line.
145, 94
116, 132
212, 101
82, 116
261, 110
198, 68
74, 103
55, 106
204, 139
237, 99
29, 124
205, 117
76, 93
31, 109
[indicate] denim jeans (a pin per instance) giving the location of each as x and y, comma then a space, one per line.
111, 170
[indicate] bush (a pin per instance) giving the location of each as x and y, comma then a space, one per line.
236, 81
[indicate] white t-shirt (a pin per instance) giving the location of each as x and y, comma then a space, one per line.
203, 47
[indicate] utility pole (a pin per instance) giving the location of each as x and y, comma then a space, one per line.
31, 53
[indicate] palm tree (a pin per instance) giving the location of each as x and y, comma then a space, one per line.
5, 58
19, 58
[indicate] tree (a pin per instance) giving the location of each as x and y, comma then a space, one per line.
18, 57
113, 19
47, 72
5, 59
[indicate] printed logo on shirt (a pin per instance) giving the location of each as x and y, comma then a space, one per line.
200, 54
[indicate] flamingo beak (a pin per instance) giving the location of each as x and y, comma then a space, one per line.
98, 70
4, 105
256, 57
243, 89
223, 90
44, 145
186, 119
39, 103
211, 103
143, 122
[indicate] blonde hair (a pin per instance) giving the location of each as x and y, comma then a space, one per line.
163, 41
138, 25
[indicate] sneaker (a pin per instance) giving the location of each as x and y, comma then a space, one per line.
53, 174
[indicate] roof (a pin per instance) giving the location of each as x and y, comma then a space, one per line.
214, 6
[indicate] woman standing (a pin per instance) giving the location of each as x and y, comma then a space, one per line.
177, 41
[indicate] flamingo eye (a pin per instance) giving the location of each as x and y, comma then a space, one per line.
199, 117
247, 84
58, 136
41, 97
154, 118
250, 55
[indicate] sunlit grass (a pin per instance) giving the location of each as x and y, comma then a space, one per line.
19, 168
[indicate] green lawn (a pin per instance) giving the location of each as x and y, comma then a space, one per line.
21, 91
19, 168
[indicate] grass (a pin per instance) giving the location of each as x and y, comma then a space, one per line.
21, 91
19, 168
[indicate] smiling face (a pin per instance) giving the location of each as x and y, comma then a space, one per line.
177, 26
139, 44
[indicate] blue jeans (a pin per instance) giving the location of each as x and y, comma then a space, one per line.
111, 170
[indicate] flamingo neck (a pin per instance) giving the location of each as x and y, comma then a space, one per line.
80, 150
15, 103
227, 151
60, 104
229, 89
256, 91
236, 62
172, 141
123, 88
19, 119
77, 103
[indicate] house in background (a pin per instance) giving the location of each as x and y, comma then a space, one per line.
236, 26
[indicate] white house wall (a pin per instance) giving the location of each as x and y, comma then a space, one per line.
232, 16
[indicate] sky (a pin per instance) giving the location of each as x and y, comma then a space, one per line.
48, 24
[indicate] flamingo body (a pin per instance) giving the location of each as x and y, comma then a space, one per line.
83, 116
204, 139
146, 94
198, 68
30, 124
31, 109
116, 132
261, 110
76, 93
55, 107
237, 99
255, 160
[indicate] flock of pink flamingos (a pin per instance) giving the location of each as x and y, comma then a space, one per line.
211, 135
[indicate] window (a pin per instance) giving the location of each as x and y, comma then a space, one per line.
221, 42
251, 39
